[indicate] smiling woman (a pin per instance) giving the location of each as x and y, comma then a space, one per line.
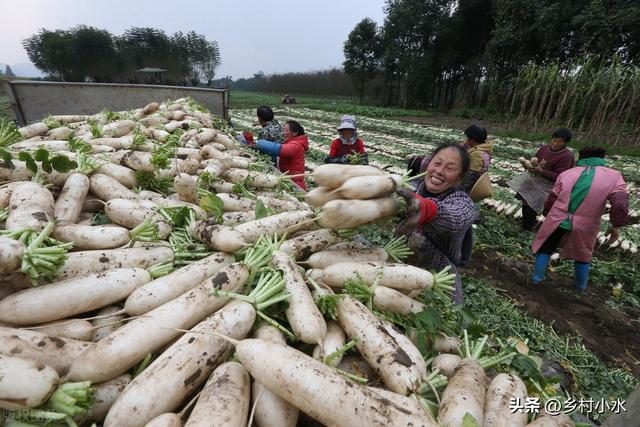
438, 213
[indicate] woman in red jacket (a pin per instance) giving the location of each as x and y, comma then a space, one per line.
290, 154
347, 144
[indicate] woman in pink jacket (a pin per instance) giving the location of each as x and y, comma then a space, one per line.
573, 213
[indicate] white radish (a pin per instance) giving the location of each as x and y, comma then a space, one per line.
388, 299
378, 347
118, 128
10, 255
225, 140
77, 329
106, 324
131, 213
204, 137
547, 420
354, 244
217, 236
465, 394
445, 344
53, 351
334, 340
369, 187
258, 180
397, 276
224, 400
303, 246
183, 368
130, 343
161, 290
187, 187
234, 218
409, 348
89, 237
354, 213
334, 175
446, 364
165, 202
233, 203
107, 188
24, 383
285, 222
320, 195
117, 143
303, 381
69, 297
69, 118
33, 129
136, 160
105, 394
121, 174
503, 389
269, 409
31, 206
69, 204
326, 258
165, 420
302, 313
90, 262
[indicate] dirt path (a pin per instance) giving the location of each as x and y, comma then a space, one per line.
607, 332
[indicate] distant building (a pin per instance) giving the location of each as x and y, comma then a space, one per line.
149, 75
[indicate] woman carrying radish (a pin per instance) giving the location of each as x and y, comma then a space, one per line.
534, 185
347, 148
573, 213
290, 154
439, 212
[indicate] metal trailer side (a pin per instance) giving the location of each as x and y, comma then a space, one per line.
33, 100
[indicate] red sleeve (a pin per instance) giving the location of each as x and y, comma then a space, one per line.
551, 199
619, 199
428, 209
360, 146
333, 151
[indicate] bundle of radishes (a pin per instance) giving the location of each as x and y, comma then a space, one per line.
161, 275
352, 196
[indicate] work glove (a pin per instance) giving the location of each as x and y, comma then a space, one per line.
420, 210
248, 136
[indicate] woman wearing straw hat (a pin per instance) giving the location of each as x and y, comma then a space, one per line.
347, 148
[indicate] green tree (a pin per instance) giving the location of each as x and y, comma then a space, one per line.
362, 54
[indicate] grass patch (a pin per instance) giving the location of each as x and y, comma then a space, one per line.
501, 317
336, 104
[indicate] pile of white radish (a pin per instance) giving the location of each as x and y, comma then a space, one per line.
172, 278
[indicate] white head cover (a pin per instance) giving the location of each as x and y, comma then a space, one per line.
347, 122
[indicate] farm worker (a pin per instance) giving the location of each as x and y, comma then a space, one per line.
573, 213
480, 151
347, 144
290, 154
439, 213
533, 187
271, 129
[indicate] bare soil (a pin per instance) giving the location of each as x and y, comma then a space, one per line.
607, 332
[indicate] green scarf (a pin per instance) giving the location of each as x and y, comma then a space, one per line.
581, 188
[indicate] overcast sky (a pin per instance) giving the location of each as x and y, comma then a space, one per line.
271, 35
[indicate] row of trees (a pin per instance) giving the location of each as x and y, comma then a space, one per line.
90, 53
445, 53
